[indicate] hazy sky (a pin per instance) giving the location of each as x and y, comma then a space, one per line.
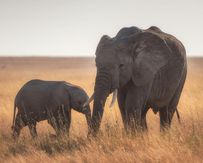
74, 27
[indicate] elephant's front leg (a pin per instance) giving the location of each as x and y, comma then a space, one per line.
134, 105
64, 119
32, 128
67, 120
121, 97
52, 120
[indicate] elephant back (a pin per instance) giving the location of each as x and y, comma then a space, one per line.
127, 31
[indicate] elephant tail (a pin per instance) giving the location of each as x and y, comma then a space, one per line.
14, 115
178, 115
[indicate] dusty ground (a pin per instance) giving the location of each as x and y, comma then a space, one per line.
184, 143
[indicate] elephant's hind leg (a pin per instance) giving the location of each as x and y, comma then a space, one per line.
166, 115
164, 118
134, 106
19, 124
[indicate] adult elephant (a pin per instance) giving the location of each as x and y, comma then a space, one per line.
147, 67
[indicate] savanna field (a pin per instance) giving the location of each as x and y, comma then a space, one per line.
183, 143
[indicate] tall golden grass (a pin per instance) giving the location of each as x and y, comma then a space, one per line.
183, 143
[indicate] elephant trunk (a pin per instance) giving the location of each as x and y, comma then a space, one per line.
101, 92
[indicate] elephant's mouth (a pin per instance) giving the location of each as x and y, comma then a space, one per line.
112, 89
114, 96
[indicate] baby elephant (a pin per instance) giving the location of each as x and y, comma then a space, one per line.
41, 100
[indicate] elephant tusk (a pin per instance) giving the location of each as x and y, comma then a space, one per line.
114, 97
88, 101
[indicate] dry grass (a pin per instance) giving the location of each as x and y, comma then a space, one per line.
184, 143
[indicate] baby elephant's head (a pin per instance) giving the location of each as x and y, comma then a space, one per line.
78, 99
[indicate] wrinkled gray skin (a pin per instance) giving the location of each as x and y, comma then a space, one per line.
148, 67
41, 100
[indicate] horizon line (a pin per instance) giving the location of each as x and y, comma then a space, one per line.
61, 56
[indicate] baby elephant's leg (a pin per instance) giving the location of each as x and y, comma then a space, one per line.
19, 124
52, 120
54, 123
32, 128
65, 119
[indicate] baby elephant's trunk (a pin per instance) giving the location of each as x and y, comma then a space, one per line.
87, 113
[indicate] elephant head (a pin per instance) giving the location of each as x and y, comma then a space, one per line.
119, 60
114, 69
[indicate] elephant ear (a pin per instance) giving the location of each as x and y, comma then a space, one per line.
105, 39
150, 54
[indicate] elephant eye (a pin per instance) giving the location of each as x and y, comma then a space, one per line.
121, 66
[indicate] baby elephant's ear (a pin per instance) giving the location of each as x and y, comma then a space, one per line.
151, 56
